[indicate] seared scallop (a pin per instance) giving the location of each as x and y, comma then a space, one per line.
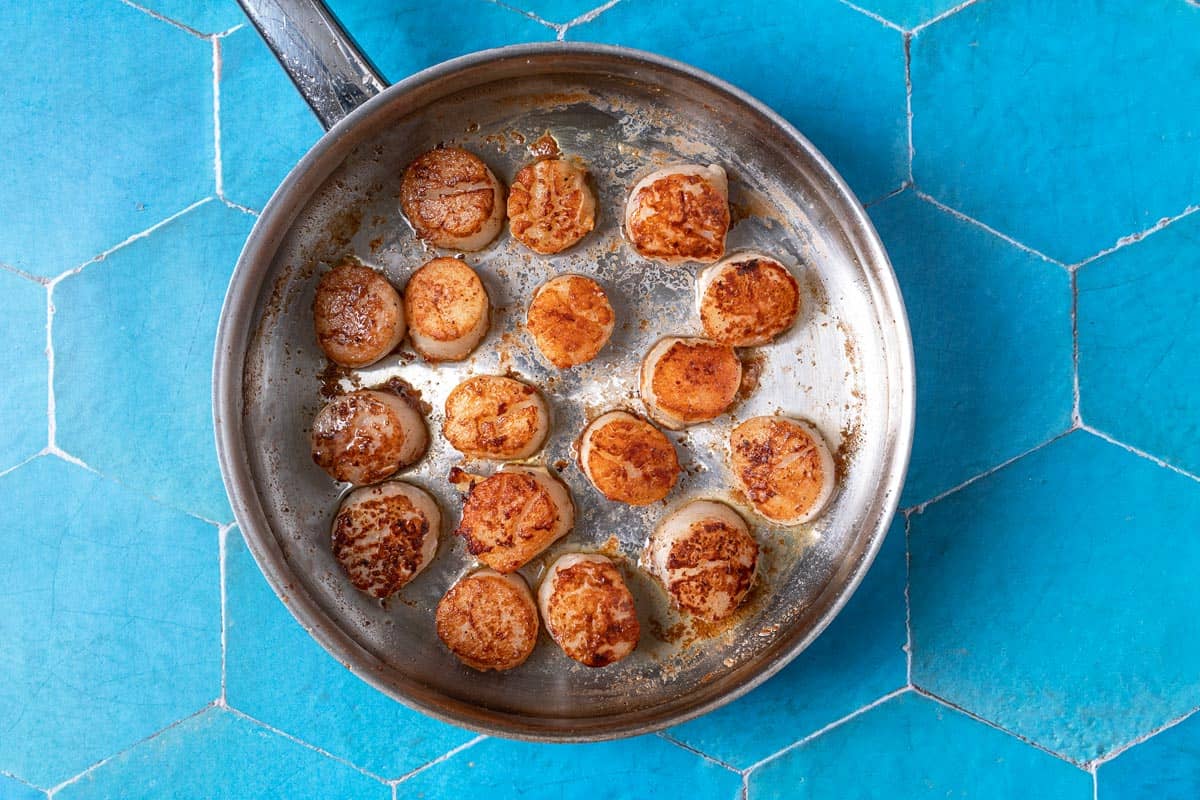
627, 459
489, 416
588, 609
488, 620
367, 435
689, 380
357, 314
747, 300
704, 556
550, 205
452, 199
447, 309
570, 320
384, 535
679, 214
784, 467
515, 514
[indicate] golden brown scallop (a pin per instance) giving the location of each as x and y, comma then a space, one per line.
627, 459
452, 199
385, 535
747, 300
447, 309
588, 609
679, 214
367, 435
689, 380
357, 314
784, 467
488, 620
550, 205
490, 416
570, 320
705, 558
515, 514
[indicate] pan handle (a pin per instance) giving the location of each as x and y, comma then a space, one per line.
324, 63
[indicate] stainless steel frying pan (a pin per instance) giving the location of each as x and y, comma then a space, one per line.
847, 365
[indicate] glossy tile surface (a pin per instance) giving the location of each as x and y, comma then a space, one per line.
24, 364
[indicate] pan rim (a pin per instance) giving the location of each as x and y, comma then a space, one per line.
234, 333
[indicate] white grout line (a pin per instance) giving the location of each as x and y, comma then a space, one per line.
919, 508
943, 701
222, 550
227, 31
51, 409
6, 774
586, 17
716, 762
239, 207
960, 215
908, 641
908, 108
443, 757
745, 793
554, 26
55, 789
948, 13
821, 732
163, 18
20, 273
1141, 453
128, 241
1076, 416
219, 178
868, 13
20, 464
899, 190
1125, 241
1104, 759
1095, 783
301, 742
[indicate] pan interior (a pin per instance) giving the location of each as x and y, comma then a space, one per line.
837, 367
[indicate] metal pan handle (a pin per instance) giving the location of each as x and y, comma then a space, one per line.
324, 63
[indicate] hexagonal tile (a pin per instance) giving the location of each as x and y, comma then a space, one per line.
12, 789
197, 758
133, 341
1065, 143
991, 329
858, 659
23, 401
109, 140
204, 16
844, 84
912, 747
1139, 344
1167, 767
315, 698
1056, 597
625, 768
110, 618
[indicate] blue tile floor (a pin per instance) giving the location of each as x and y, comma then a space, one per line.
1030, 628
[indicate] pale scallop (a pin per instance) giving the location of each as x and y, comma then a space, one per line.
384, 535
452, 200
550, 205
570, 320
705, 557
358, 315
686, 380
627, 459
491, 416
447, 309
748, 299
488, 621
679, 214
588, 609
784, 467
511, 516
367, 435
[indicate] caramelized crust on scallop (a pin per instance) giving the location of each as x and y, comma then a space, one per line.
452, 199
357, 315
783, 466
749, 301
447, 309
690, 380
510, 517
628, 460
383, 538
680, 214
490, 416
588, 610
366, 436
570, 320
488, 620
550, 206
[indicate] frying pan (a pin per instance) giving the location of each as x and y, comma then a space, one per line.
847, 364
